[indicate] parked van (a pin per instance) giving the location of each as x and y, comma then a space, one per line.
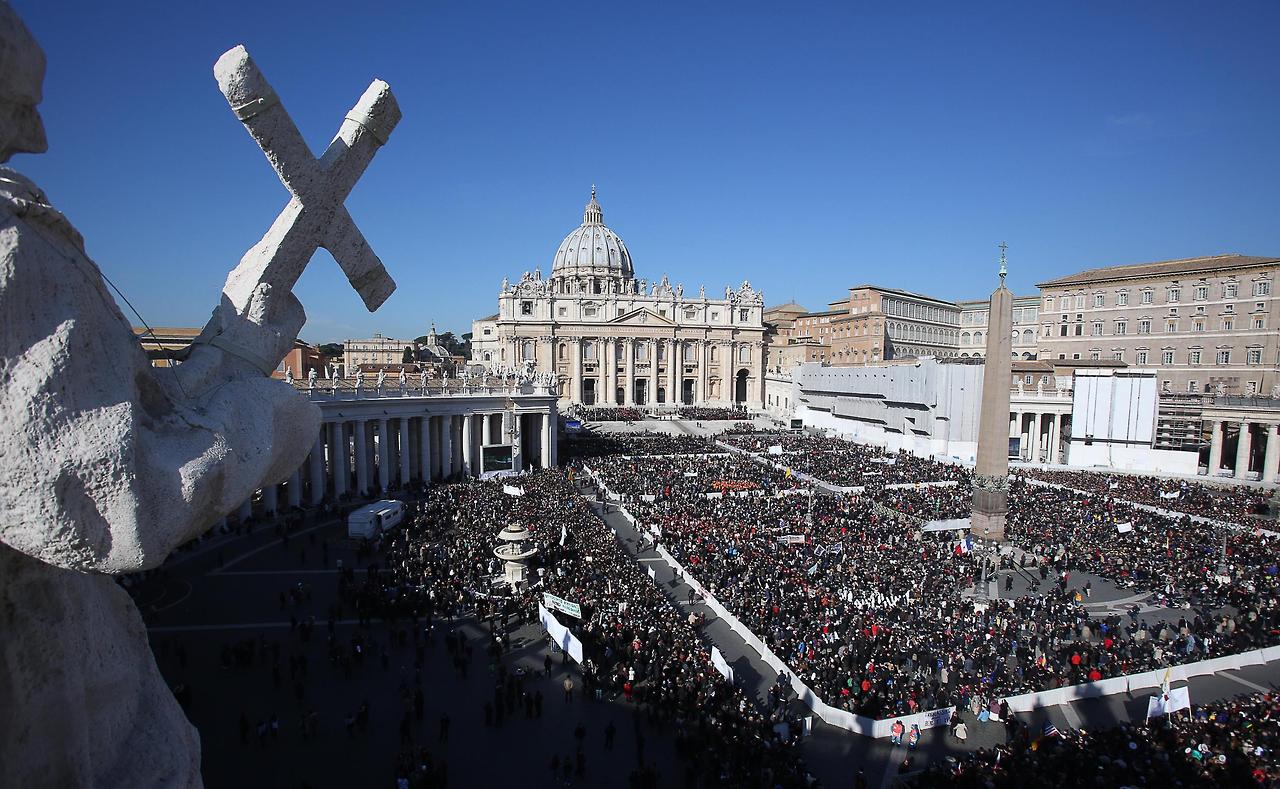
373, 519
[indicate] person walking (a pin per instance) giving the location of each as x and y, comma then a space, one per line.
568, 689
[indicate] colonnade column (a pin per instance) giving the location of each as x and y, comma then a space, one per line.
1054, 432
270, 499
317, 468
384, 456
338, 458
517, 441
486, 430
1035, 437
362, 458
446, 446
1215, 446
1243, 445
424, 448
468, 459
1271, 461
294, 489
406, 453
547, 441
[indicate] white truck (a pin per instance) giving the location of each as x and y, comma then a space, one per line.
371, 520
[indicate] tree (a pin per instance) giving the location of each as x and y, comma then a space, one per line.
331, 350
407, 357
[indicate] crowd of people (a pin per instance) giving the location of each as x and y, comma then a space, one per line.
1229, 743
587, 445
692, 475
704, 413
879, 617
607, 413
1236, 504
638, 647
843, 463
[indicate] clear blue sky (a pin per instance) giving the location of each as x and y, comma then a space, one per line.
807, 147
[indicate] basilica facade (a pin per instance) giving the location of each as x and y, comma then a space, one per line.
612, 339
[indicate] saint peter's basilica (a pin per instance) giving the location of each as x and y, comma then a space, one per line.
612, 339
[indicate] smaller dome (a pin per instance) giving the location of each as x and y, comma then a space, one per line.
592, 250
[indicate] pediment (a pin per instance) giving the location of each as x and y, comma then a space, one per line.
641, 317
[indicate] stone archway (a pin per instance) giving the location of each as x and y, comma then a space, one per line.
740, 387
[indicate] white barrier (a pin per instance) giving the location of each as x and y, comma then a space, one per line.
722, 665
560, 634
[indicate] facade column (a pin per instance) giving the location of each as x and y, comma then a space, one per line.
553, 414
704, 374
486, 430
384, 456
294, 489
1216, 429
406, 453
317, 468
338, 458
652, 387
606, 370
270, 499
468, 452
574, 384
629, 386
362, 458
675, 370
424, 449
1271, 461
1242, 451
1054, 433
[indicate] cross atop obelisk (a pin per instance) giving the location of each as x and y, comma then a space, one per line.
1003, 269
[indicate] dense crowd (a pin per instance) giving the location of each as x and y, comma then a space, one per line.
710, 414
637, 645
692, 475
843, 463
1229, 503
638, 443
1228, 743
607, 413
873, 614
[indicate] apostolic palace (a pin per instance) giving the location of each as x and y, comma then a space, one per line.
612, 339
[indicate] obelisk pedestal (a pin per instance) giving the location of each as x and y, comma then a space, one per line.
991, 480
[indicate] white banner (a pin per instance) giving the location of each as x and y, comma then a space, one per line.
653, 573
775, 449
1169, 495
789, 538
721, 664
648, 497
1124, 528
512, 490
560, 604
560, 634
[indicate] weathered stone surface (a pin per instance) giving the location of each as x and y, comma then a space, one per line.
107, 464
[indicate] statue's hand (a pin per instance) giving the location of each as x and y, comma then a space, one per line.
262, 334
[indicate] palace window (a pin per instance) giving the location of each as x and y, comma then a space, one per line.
1259, 322
1253, 356
1262, 288
1202, 292
1148, 296
1122, 298
1175, 295
1141, 358
1171, 326
1095, 329
1193, 357
1228, 324
742, 316
1224, 356
1197, 325
1099, 300
1122, 327
1095, 355
590, 312
1166, 357
526, 308
1117, 356
1192, 387
589, 350
1144, 326
1229, 290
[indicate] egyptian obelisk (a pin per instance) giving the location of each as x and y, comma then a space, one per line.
991, 481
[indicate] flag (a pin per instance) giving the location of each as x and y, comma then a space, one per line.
788, 473
1050, 730
965, 545
564, 533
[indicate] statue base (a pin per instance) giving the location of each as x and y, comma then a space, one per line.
990, 507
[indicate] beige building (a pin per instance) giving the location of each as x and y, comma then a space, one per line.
874, 325
1205, 324
974, 315
377, 350
612, 339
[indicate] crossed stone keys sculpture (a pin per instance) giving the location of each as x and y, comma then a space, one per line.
315, 216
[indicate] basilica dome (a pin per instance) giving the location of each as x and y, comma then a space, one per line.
592, 250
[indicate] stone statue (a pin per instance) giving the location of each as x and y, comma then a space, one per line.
105, 469
506, 284
680, 291
288, 373
311, 378
404, 379
382, 378
702, 291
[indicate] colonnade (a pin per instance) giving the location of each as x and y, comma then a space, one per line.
1250, 437
365, 457
1040, 434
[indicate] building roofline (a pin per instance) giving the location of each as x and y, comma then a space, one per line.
1160, 268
